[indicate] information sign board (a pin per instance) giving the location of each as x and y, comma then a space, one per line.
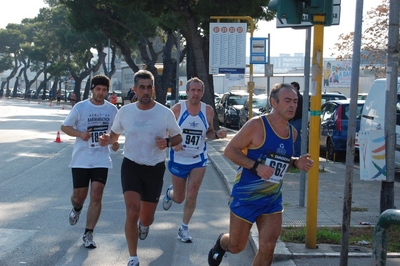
227, 48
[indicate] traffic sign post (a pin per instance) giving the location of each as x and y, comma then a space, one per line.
317, 13
258, 50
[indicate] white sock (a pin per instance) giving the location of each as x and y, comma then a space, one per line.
184, 226
134, 258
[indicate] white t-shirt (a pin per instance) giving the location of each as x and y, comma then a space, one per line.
141, 128
85, 115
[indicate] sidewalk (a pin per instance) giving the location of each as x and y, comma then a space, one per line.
365, 195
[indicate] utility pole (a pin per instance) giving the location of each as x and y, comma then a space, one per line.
351, 132
306, 105
178, 57
387, 188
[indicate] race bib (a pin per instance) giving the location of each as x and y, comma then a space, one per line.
280, 163
191, 138
95, 133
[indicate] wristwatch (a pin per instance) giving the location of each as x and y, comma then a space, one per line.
253, 169
168, 142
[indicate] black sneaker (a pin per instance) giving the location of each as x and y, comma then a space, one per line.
216, 253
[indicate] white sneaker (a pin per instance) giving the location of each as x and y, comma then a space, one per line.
143, 231
73, 216
184, 236
88, 240
133, 263
167, 201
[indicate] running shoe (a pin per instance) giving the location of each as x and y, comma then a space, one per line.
133, 263
73, 216
88, 240
143, 231
167, 201
184, 236
216, 253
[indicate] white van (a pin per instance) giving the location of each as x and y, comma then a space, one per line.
373, 114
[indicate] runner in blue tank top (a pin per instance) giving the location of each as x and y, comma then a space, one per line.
188, 160
263, 150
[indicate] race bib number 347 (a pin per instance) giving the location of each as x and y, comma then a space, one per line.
280, 163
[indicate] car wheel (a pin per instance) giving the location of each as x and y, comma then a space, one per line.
331, 150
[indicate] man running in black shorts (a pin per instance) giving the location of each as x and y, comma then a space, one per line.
149, 129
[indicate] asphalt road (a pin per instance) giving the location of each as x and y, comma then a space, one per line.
35, 190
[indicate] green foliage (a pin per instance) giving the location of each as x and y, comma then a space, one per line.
374, 40
333, 235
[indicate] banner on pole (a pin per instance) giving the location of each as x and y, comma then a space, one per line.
372, 155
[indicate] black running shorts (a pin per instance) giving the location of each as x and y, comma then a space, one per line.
143, 179
82, 176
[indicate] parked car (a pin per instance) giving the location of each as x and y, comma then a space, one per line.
260, 106
334, 125
170, 100
217, 97
362, 96
331, 96
229, 106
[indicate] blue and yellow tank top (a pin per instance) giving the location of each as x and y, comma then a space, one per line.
249, 186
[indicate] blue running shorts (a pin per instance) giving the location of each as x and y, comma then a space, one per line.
183, 170
249, 212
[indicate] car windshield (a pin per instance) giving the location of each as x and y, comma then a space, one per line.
260, 102
237, 99
345, 114
183, 96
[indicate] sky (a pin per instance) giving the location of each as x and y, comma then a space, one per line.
283, 40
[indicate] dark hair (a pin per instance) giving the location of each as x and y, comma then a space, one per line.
100, 80
143, 74
296, 85
276, 89
195, 80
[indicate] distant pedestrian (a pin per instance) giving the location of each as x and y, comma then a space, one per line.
297, 120
263, 150
51, 96
149, 128
132, 96
188, 160
73, 99
87, 121
58, 97
29, 95
113, 98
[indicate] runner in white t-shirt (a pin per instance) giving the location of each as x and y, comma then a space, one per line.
149, 129
87, 121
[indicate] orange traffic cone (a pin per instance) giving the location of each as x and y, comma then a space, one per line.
58, 139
